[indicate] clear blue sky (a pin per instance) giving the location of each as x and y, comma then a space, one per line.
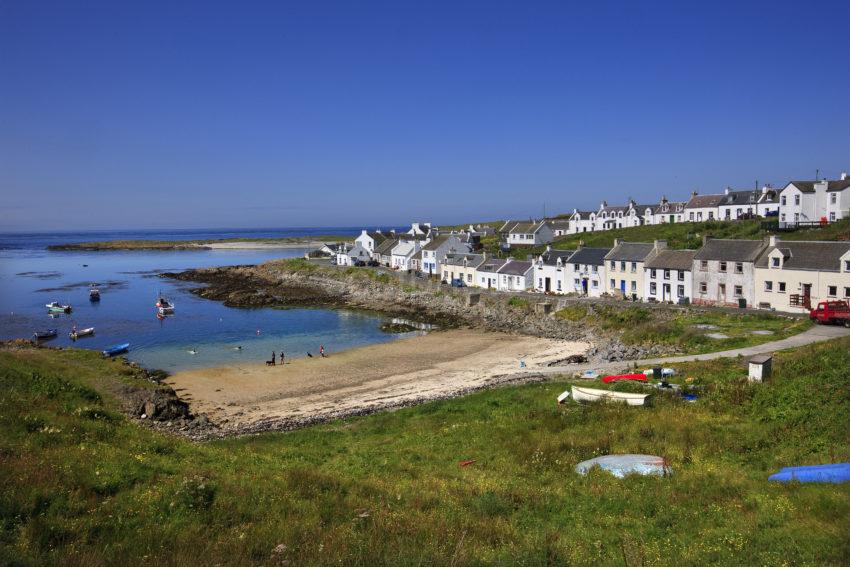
241, 114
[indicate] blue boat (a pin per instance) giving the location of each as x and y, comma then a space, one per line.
835, 474
116, 349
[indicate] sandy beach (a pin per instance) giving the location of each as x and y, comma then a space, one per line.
361, 380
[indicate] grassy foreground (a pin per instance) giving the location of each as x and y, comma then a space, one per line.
83, 485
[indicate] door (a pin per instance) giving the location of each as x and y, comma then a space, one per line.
721, 293
665, 292
548, 285
807, 295
584, 287
623, 286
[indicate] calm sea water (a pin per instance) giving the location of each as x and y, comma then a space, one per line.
31, 276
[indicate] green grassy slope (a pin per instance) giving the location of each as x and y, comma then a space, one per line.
82, 485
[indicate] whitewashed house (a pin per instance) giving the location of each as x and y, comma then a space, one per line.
384, 251
353, 255
371, 240
528, 233
796, 275
814, 201
420, 229
582, 221
737, 205
559, 226
624, 267
550, 271
610, 217
403, 252
701, 208
515, 275
462, 267
664, 212
487, 273
667, 276
724, 272
434, 252
585, 271
768, 202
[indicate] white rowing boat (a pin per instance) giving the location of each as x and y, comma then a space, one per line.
77, 333
593, 395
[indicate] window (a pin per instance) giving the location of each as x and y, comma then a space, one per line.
680, 291
781, 287
783, 200
559, 285
622, 266
703, 265
739, 267
593, 269
595, 284
832, 290
540, 282
613, 265
847, 292
783, 217
666, 274
796, 199
445, 274
796, 217
710, 215
634, 267
768, 286
833, 197
831, 217
652, 274
575, 267
703, 287
774, 262
576, 282
691, 216
738, 213
722, 266
847, 265
739, 291
652, 288
681, 276
469, 278
613, 284
634, 285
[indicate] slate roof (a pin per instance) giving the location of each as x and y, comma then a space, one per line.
526, 227
837, 185
730, 250
672, 260
404, 249
704, 201
563, 224
809, 186
735, 198
590, 256
630, 252
583, 214
550, 257
385, 248
473, 260
377, 237
436, 242
491, 265
515, 268
807, 255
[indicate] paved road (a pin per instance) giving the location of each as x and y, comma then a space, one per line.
816, 334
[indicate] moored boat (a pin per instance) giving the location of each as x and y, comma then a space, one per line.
116, 349
94, 294
581, 394
56, 307
46, 334
616, 377
78, 333
164, 306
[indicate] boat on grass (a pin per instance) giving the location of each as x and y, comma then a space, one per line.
616, 377
622, 465
835, 473
79, 333
56, 307
662, 372
116, 349
46, 334
581, 394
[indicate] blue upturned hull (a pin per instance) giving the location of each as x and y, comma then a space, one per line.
117, 349
834, 473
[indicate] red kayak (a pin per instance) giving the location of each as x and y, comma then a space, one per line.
615, 377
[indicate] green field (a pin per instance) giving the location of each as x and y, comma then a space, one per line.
83, 485
678, 328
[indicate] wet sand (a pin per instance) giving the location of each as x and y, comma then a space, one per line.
362, 380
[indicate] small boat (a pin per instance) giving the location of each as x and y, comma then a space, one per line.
116, 349
94, 294
665, 372
622, 465
563, 397
164, 306
588, 375
56, 307
594, 395
833, 474
76, 334
47, 334
616, 377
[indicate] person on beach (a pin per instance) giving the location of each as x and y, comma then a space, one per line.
272, 358
282, 358
322, 350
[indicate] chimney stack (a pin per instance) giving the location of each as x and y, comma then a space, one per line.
705, 239
618, 241
773, 240
660, 244
844, 176
694, 193
726, 191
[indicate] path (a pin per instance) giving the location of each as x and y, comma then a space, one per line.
816, 334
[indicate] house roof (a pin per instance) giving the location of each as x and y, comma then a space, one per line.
730, 250
472, 260
809, 186
515, 268
405, 249
563, 224
672, 260
642, 208
769, 196
734, 198
377, 237
840, 185
704, 201
582, 214
386, 247
630, 251
491, 265
526, 227
590, 256
808, 255
436, 242
550, 257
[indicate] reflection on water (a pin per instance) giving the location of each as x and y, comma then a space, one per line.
130, 285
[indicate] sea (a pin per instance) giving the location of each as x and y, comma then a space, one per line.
201, 333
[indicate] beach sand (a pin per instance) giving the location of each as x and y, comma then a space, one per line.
305, 390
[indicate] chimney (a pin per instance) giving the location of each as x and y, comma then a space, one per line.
773, 240
363, 232
660, 244
844, 176
694, 193
765, 189
726, 191
618, 241
664, 199
705, 239
580, 244
548, 248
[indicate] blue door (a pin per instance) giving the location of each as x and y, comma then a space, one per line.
623, 286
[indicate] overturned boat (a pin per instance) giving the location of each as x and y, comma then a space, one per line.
581, 394
622, 465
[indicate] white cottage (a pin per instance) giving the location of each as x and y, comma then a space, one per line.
667, 276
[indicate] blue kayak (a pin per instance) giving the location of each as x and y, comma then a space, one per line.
835, 473
116, 349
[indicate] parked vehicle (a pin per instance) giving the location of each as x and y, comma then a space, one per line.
831, 312
458, 282
373, 263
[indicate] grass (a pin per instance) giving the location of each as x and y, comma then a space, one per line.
81, 484
678, 327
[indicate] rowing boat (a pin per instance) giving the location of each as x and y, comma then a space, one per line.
616, 377
46, 334
76, 334
116, 349
593, 395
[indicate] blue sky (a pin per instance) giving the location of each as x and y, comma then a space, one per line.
190, 114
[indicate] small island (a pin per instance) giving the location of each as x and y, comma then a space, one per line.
224, 244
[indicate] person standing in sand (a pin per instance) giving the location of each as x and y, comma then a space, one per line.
322, 350
282, 358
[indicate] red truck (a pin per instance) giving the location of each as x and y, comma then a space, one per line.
837, 312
